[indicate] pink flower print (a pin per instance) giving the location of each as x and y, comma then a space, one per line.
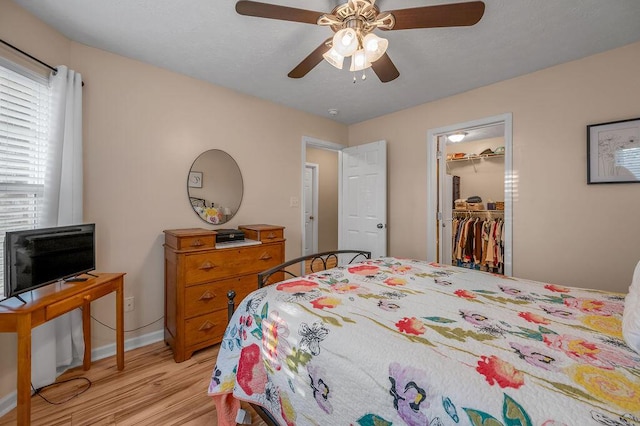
274, 343
409, 388
321, 390
595, 306
586, 352
297, 286
558, 312
474, 318
535, 356
251, 375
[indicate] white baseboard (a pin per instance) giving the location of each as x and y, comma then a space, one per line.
10, 401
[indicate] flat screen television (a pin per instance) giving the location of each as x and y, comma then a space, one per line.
37, 257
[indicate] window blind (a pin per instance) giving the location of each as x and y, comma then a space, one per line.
24, 126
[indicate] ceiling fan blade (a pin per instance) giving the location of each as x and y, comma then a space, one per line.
273, 11
385, 69
444, 15
311, 61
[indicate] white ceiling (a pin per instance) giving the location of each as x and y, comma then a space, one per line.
208, 40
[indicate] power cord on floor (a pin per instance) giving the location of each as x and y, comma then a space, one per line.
127, 331
39, 390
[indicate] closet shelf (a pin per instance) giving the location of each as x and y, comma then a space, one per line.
472, 159
478, 157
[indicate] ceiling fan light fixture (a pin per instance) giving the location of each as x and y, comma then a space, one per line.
345, 41
359, 61
374, 46
334, 58
457, 137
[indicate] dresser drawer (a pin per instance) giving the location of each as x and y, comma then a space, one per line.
208, 327
215, 264
205, 298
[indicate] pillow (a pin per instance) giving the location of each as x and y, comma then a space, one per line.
631, 315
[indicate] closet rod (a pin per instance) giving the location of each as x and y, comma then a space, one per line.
33, 58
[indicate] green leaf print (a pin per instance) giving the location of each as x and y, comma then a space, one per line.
514, 414
528, 334
439, 319
373, 420
460, 334
545, 330
265, 311
479, 418
504, 300
572, 392
297, 358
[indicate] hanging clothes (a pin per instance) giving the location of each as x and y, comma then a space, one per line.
478, 244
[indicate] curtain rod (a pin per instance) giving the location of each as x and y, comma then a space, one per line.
33, 58
28, 55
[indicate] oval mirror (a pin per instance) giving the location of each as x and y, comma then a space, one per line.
215, 186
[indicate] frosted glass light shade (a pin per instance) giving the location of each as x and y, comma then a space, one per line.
359, 61
334, 58
345, 41
457, 137
374, 46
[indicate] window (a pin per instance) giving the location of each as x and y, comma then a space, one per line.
24, 128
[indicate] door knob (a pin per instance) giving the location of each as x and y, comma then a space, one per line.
311, 217
380, 226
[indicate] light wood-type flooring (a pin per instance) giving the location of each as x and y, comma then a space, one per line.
151, 390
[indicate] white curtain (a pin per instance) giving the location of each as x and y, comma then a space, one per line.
63, 206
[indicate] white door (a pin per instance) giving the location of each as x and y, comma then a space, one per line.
363, 199
310, 208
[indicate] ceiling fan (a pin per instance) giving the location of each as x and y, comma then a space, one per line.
353, 24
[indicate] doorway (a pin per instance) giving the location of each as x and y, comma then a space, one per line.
310, 206
326, 155
492, 138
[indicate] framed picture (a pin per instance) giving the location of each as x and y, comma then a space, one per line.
613, 152
195, 179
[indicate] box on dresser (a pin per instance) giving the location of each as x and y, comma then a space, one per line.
198, 275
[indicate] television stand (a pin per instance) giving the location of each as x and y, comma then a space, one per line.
17, 296
47, 303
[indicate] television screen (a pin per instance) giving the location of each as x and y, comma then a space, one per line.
37, 257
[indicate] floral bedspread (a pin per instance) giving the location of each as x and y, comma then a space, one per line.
396, 341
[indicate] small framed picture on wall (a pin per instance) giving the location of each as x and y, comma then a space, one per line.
195, 179
613, 152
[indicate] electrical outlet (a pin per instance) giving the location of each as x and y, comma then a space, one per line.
128, 304
294, 202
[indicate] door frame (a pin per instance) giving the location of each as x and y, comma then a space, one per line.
433, 179
329, 146
315, 172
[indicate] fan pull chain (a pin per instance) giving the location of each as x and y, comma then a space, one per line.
364, 76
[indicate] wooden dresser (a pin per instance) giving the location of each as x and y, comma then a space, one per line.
198, 276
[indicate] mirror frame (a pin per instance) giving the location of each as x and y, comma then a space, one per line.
220, 218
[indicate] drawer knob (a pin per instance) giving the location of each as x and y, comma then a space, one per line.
265, 256
197, 243
208, 325
207, 265
207, 295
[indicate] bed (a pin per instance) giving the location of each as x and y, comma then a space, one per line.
398, 341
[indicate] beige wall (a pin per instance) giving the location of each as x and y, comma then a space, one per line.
143, 128
327, 197
564, 230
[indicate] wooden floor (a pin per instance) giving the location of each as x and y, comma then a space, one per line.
151, 390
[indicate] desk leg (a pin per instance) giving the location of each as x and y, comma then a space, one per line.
86, 331
120, 324
24, 369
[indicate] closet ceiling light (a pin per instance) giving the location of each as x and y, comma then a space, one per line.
457, 137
